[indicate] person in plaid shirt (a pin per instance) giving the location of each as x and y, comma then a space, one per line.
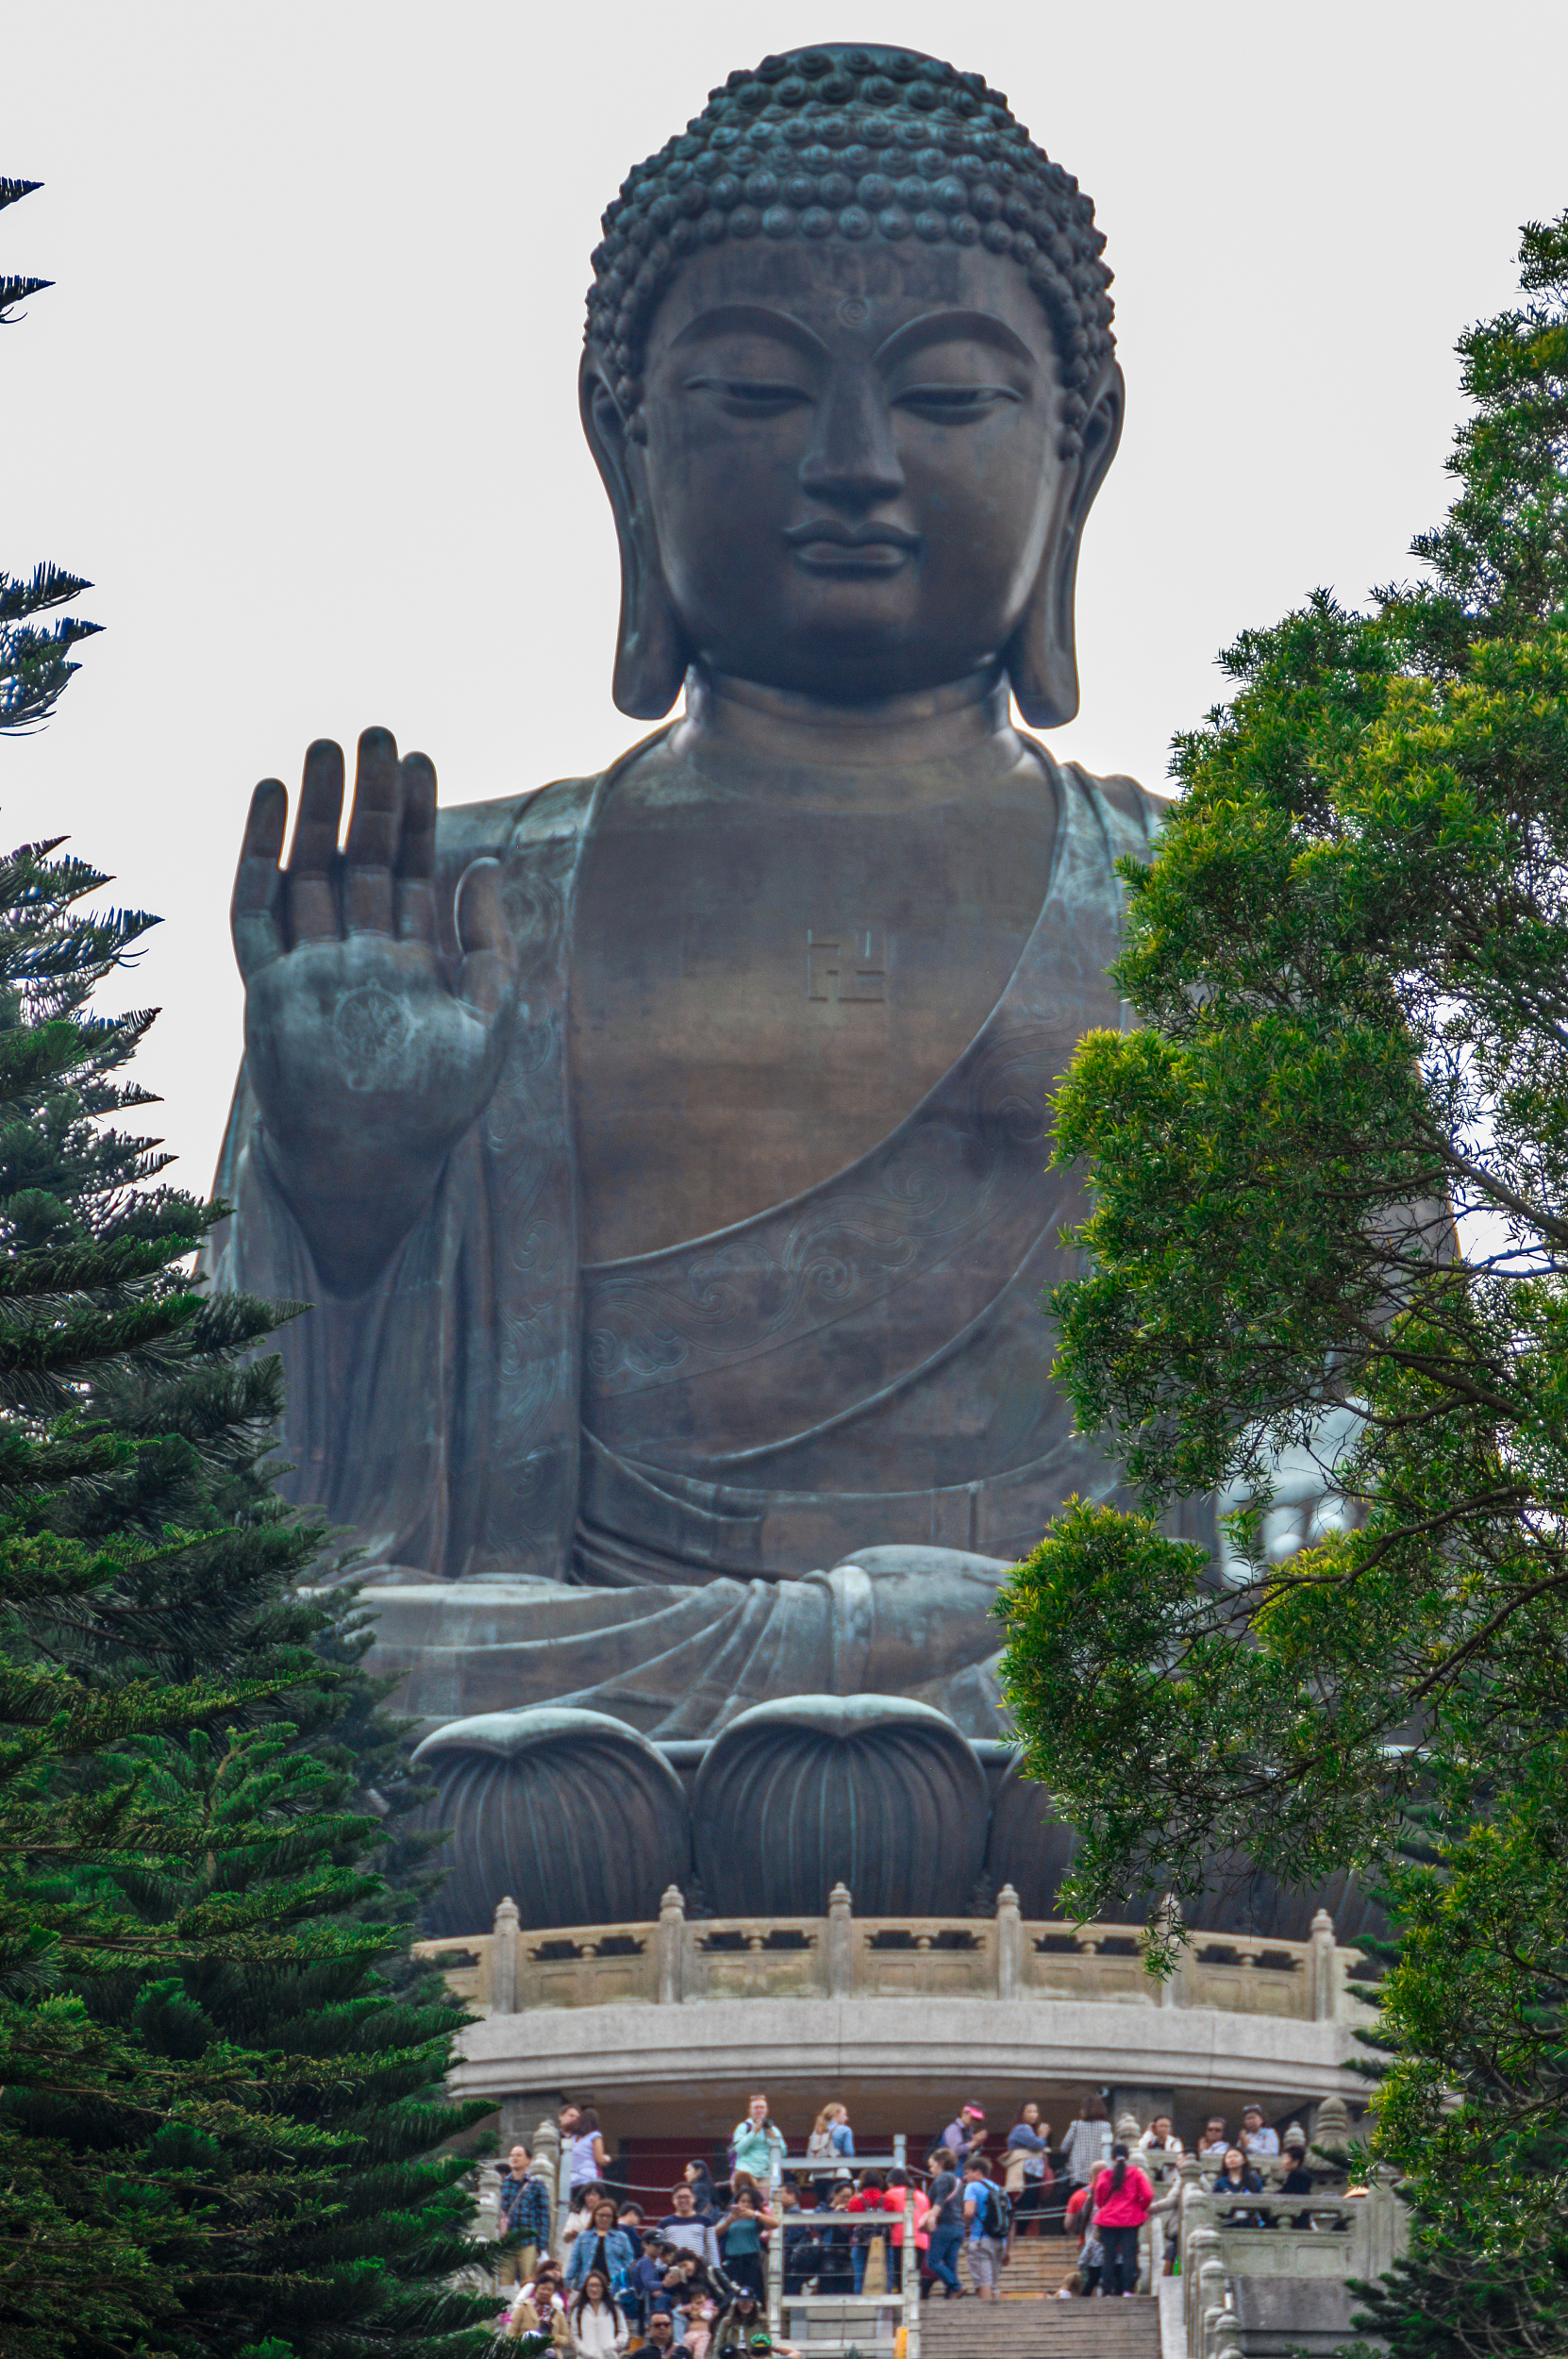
524, 2212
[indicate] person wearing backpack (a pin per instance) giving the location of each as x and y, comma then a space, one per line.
986, 2222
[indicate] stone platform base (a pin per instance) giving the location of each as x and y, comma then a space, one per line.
895, 2062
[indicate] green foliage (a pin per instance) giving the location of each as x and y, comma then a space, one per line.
35, 662
1474, 2003
220, 2122
1329, 1174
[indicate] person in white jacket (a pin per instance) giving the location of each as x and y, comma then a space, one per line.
598, 2329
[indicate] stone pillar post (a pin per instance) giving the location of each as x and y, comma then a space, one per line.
1009, 1944
1331, 2123
503, 1959
672, 1947
1386, 2222
1325, 1962
1210, 2309
840, 1944
1200, 2250
546, 2166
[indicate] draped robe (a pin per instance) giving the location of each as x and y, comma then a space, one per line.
619, 1483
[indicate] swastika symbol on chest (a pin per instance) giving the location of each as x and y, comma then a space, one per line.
847, 962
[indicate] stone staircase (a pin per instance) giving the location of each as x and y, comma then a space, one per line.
1039, 2265
1043, 2329
1031, 2323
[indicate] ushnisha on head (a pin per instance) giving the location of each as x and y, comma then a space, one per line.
849, 378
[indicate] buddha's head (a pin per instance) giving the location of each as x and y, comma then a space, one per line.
850, 382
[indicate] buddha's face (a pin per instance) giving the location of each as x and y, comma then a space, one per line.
851, 460
851, 475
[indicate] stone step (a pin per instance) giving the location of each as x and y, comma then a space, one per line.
947, 2320
1095, 2328
1040, 2261
1056, 2330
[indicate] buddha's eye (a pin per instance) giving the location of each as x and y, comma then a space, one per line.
954, 405
751, 397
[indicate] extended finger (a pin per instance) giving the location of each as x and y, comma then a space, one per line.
256, 906
490, 951
413, 889
312, 908
370, 852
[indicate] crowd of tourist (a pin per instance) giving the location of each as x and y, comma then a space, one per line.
692, 2282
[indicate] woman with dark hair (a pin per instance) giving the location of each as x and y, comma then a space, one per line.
1028, 2165
688, 2277
700, 2180
944, 2221
602, 2244
598, 2330
744, 2318
1238, 2178
588, 2159
1085, 2149
740, 2239
1121, 2199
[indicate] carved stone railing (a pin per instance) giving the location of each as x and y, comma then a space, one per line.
1232, 2271
674, 1960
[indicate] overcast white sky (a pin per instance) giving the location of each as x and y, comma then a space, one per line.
302, 400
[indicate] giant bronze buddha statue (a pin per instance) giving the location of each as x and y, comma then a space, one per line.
665, 1153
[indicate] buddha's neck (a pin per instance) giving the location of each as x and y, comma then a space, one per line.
777, 727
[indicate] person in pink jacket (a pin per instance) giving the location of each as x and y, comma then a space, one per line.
1122, 2200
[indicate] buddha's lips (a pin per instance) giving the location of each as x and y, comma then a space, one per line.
825, 545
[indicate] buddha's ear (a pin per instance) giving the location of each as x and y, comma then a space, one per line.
651, 655
1041, 656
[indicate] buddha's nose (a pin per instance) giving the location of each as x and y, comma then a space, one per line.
852, 461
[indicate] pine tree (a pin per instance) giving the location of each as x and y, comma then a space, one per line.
219, 2121
35, 665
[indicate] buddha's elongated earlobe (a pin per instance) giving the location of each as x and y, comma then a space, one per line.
651, 655
1041, 656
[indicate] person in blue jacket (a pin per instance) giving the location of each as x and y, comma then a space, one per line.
602, 2244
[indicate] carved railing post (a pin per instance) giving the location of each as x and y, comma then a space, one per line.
503, 1959
672, 1947
546, 2166
1227, 2337
1200, 2250
1386, 2223
1211, 2292
1009, 1944
840, 1944
1325, 1993
1331, 2123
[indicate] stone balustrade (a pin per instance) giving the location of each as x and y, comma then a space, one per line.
1280, 2287
674, 1960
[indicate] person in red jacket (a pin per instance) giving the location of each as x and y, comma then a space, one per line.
1122, 2200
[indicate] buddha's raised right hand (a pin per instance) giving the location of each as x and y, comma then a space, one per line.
370, 1050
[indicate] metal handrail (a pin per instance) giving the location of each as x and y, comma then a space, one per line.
906, 2294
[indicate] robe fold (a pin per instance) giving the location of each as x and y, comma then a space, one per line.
615, 1483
